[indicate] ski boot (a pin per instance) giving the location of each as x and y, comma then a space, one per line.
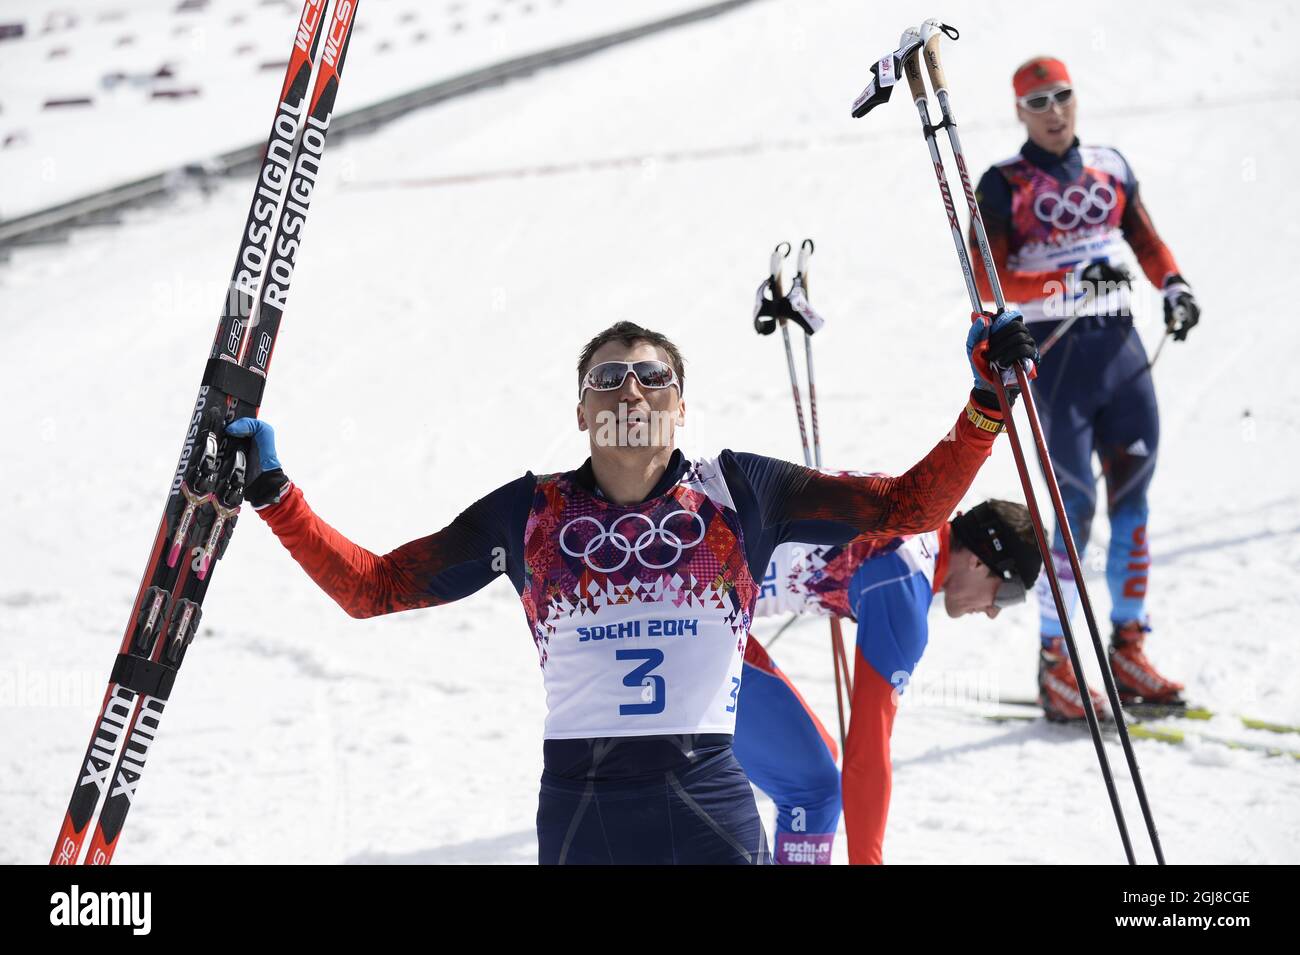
1135, 678
1058, 692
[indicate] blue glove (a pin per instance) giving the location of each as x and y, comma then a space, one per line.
265, 478
1003, 341
263, 436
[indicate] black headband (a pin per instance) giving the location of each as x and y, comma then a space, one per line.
981, 531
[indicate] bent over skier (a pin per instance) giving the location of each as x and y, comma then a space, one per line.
982, 561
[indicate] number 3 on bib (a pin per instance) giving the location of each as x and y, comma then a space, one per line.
651, 687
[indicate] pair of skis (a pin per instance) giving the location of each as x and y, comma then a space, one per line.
1176, 726
772, 307
1179, 711
207, 487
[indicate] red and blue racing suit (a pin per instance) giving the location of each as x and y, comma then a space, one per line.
1045, 215
887, 586
640, 615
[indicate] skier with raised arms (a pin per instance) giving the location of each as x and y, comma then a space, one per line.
1060, 217
638, 573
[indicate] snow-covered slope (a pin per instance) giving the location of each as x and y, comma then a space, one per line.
94, 93
427, 357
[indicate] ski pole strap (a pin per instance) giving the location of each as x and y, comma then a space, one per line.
143, 676
235, 380
765, 310
884, 76
981, 420
801, 311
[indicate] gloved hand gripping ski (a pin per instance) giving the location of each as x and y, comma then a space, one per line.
266, 480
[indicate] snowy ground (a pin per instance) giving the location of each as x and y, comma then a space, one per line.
299, 734
97, 92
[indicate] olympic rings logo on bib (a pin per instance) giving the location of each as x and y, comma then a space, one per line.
1077, 205
646, 545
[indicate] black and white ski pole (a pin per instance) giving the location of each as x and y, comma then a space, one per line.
810, 321
799, 303
1169, 333
772, 307
1179, 318
769, 312
1057, 334
932, 34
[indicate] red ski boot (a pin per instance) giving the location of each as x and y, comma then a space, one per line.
1135, 678
1058, 691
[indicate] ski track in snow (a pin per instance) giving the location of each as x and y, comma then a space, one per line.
427, 358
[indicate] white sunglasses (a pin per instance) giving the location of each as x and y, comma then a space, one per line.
610, 375
1042, 102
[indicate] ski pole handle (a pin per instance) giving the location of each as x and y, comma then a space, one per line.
801, 275
766, 311
805, 252
932, 34
774, 265
912, 66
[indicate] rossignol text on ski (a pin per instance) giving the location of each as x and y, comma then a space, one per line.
207, 488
